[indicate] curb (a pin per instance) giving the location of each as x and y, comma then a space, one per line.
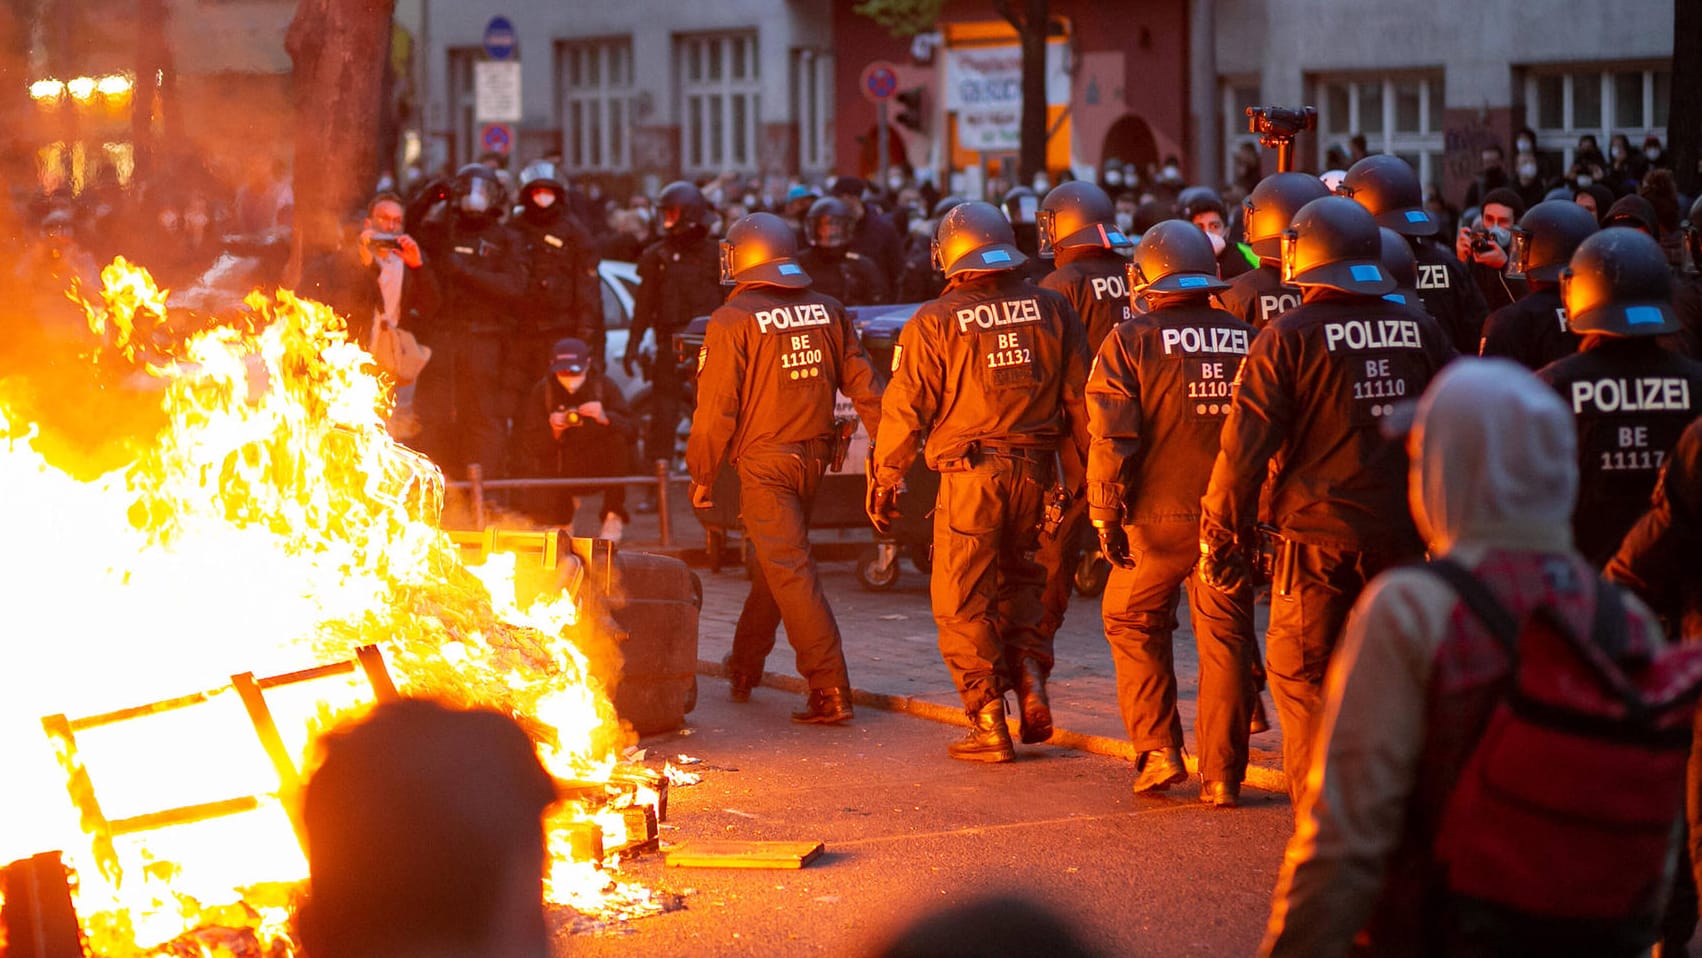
1258, 776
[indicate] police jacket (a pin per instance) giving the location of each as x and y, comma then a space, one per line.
994, 362
1658, 557
1096, 282
1532, 331
770, 366
1156, 400
538, 451
1316, 386
679, 279
845, 275
562, 291
1631, 400
1257, 297
1450, 295
481, 272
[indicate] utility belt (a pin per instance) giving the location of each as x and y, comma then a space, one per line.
1276, 558
978, 452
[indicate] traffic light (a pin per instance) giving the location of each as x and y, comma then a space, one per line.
910, 109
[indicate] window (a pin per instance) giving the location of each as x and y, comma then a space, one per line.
1562, 105
1396, 113
719, 100
812, 106
595, 80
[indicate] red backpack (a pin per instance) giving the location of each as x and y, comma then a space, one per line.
1566, 808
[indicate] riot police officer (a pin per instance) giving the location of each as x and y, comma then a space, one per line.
835, 269
1533, 330
1258, 296
678, 281
1315, 387
463, 398
920, 280
1631, 397
992, 374
1387, 187
1157, 398
563, 299
772, 360
1022, 208
1396, 254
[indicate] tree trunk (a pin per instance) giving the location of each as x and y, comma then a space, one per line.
1032, 22
339, 49
1684, 110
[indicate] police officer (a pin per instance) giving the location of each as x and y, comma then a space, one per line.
678, 281
1201, 206
1396, 254
563, 299
463, 398
992, 374
1022, 208
1533, 330
772, 360
834, 268
1631, 398
1387, 187
1156, 399
1258, 296
1687, 291
920, 280
1315, 387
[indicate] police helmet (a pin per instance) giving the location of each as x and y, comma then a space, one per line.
761, 248
1333, 242
828, 223
682, 207
1021, 204
1077, 214
1618, 284
1174, 257
1398, 259
1196, 200
975, 236
1271, 206
944, 205
1693, 234
1389, 188
542, 192
1546, 238
478, 191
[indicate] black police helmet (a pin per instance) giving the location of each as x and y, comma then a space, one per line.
975, 236
682, 207
1618, 284
1693, 234
761, 248
1021, 204
478, 191
1546, 238
1174, 257
1271, 207
1200, 199
1333, 242
1388, 187
828, 223
1398, 258
1078, 214
944, 205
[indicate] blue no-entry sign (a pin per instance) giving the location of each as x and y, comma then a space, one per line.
499, 38
880, 80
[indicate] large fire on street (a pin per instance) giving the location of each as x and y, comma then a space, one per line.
270, 526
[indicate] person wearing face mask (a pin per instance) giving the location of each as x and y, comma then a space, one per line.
1527, 179
1625, 166
573, 424
835, 269
872, 234
563, 298
1654, 154
1126, 205
1201, 206
1589, 166
462, 398
1492, 175
1534, 330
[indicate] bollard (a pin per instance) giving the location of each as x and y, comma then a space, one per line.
476, 482
664, 519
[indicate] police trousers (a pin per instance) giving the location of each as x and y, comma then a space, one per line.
464, 404
1309, 606
776, 487
1139, 609
986, 584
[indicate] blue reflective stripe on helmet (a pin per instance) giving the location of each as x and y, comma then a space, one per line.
1114, 236
790, 269
1191, 282
1643, 316
1417, 216
1395, 298
995, 256
1365, 274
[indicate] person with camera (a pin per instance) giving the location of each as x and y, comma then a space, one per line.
774, 357
1156, 401
574, 424
403, 295
1534, 331
1485, 245
835, 269
1313, 391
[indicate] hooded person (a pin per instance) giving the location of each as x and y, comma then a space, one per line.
1492, 481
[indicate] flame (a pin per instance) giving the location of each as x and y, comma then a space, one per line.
273, 525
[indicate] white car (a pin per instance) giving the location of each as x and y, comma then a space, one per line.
619, 280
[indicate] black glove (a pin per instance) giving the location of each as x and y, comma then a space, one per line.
702, 497
1114, 544
1224, 566
881, 503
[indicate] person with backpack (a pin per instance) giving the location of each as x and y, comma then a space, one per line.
1476, 708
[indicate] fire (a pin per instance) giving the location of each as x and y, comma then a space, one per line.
271, 526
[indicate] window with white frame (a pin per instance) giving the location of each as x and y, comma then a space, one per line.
812, 107
1236, 95
718, 101
595, 80
1562, 104
1396, 113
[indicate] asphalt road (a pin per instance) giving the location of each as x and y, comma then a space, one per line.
909, 830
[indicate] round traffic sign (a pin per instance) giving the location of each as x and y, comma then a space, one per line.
496, 137
499, 38
880, 80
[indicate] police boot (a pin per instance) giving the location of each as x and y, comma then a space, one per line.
825, 707
1160, 769
1220, 794
989, 739
1036, 711
740, 683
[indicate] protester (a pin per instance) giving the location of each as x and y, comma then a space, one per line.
574, 424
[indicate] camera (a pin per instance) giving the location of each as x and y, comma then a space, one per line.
1280, 122
385, 241
1484, 238
571, 417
